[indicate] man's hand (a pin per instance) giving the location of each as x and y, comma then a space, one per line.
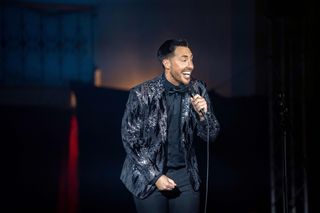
199, 103
165, 183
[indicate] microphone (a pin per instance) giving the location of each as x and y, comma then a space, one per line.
193, 93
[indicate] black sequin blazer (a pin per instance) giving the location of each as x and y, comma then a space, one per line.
144, 134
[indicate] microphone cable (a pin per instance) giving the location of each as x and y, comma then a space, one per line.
208, 161
192, 93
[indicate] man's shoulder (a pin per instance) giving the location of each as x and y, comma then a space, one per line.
198, 83
149, 85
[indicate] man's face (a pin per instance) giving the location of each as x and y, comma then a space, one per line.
179, 66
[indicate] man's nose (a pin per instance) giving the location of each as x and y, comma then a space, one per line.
190, 65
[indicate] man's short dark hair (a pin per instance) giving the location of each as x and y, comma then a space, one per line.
169, 46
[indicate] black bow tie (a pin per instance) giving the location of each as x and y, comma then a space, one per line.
181, 90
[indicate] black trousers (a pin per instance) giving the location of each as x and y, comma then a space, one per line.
183, 199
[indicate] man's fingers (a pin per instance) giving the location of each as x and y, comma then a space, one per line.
172, 182
197, 99
196, 96
199, 103
165, 183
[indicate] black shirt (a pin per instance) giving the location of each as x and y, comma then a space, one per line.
173, 97
174, 151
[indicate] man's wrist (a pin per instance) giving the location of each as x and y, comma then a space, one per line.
154, 180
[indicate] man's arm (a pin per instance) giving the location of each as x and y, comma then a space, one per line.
132, 137
214, 126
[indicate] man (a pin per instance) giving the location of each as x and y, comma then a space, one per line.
158, 127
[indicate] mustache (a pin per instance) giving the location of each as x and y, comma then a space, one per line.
187, 70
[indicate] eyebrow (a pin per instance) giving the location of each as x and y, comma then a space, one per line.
186, 56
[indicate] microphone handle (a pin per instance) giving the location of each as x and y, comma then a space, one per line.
202, 112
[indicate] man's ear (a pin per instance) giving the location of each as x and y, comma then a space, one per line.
166, 63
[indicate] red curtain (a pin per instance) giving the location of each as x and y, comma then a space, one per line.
68, 183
